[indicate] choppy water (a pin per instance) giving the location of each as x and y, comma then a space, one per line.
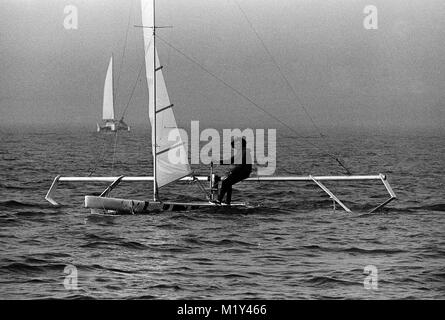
293, 246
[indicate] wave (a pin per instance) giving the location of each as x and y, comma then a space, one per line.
18, 267
115, 270
19, 188
43, 208
166, 286
134, 245
354, 250
234, 276
326, 281
143, 297
434, 207
373, 251
51, 255
35, 213
27, 268
169, 226
415, 209
104, 243
92, 236
228, 242
17, 204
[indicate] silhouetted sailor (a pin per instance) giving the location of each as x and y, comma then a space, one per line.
242, 167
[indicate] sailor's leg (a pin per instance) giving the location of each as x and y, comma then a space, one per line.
226, 185
229, 194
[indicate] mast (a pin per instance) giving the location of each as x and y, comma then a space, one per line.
112, 81
160, 108
153, 127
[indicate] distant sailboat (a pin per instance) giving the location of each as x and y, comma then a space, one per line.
109, 123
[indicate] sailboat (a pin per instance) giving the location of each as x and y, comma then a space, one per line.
163, 121
109, 122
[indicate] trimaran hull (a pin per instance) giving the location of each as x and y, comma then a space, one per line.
112, 126
102, 205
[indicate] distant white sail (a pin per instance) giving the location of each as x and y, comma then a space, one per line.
166, 170
108, 103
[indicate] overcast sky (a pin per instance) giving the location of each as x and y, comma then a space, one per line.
344, 74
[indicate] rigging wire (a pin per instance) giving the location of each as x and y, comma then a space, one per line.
241, 94
286, 80
135, 83
201, 187
96, 161
123, 53
114, 150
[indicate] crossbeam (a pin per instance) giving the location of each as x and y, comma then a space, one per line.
206, 178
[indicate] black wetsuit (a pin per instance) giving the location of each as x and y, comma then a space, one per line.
238, 173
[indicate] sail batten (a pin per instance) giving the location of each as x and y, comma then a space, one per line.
108, 101
172, 165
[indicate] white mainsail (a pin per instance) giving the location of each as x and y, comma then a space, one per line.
108, 102
167, 169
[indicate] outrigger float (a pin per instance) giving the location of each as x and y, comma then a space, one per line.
164, 172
